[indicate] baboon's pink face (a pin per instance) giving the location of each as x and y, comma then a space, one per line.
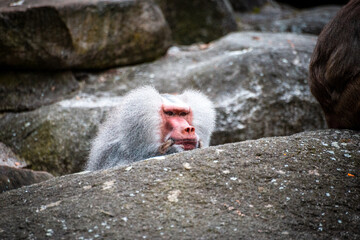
176, 123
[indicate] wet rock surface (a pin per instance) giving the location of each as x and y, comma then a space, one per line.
301, 186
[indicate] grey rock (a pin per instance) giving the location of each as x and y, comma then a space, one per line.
72, 34
304, 186
258, 82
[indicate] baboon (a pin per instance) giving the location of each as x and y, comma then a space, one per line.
148, 124
335, 69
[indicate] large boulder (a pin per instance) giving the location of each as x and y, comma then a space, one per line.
304, 186
198, 21
258, 82
73, 34
53, 138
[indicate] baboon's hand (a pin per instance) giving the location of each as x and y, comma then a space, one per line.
166, 145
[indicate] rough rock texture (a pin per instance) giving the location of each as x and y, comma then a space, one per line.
12, 178
22, 91
276, 18
89, 34
53, 138
305, 186
198, 21
258, 82
9, 158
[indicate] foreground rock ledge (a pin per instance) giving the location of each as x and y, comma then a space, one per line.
305, 186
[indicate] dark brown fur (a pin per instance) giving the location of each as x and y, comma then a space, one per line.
335, 68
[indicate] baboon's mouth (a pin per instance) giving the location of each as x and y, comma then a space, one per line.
188, 144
